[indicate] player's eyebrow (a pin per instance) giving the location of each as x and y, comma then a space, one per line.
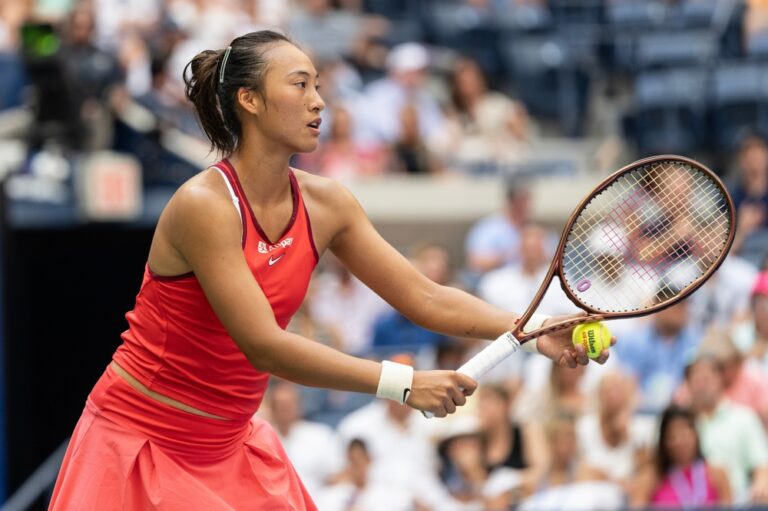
303, 73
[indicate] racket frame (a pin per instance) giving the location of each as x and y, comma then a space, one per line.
556, 267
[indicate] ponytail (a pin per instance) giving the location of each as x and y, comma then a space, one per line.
212, 90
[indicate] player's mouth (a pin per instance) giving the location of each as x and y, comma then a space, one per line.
314, 126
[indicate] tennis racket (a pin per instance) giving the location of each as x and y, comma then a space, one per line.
645, 238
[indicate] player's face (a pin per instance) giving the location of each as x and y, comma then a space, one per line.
290, 114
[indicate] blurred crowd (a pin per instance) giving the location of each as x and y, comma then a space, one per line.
677, 417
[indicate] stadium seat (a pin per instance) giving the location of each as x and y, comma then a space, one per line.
679, 48
392, 9
577, 12
669, 111
633, 15
757, 45
739, 99
552, 75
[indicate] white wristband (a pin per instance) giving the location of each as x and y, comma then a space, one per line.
395, 381
536, 322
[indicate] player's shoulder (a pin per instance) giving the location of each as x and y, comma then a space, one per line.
204, 196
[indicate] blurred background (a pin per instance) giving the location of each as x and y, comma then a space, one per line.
469, 130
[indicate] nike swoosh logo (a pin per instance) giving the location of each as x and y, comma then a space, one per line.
273, 261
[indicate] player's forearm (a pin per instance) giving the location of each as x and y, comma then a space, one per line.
457, 313
310, 363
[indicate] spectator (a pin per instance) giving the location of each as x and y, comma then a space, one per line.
568, 483
731, 435
345, 306
565, 466
744, 384
331, 33
725, 296
394, 329
465, 473
12, 17
563, 394
613, 440
463, 469
90, 76
750, 193
751, 335
340, 157
379, 114
509, 444
117, 18
513, 287
657, 353
495, 240
354, 490
168, 102
398, 440
312, 447
486, 126
410, 152
681, 476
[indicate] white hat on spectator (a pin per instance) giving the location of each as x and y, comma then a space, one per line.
407, 57
458, 425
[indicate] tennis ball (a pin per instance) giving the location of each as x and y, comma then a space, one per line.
595, 337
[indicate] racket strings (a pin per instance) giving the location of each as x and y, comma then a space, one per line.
650, 234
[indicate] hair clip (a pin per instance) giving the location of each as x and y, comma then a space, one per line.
224, 64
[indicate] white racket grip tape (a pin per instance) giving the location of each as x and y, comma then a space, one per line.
490, 356
487, 359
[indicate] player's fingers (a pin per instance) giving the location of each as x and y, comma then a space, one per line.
613, 340
603, 358
458, 397
569, 359
581, 355
449, 405
467, 384
439, 412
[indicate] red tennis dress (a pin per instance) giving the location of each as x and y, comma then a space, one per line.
131, 452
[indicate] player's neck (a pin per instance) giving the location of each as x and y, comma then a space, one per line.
262, 173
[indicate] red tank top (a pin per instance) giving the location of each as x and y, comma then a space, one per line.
175, 343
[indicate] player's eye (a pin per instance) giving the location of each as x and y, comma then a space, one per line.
303, 85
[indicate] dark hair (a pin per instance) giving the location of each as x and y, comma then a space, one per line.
357, 443
215, 102
663, 462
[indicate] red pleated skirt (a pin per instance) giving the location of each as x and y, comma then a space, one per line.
131, 452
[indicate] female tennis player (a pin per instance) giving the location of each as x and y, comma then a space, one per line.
168, 426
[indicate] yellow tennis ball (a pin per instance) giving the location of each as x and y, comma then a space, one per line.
595, 337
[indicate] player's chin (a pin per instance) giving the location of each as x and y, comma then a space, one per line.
307, 146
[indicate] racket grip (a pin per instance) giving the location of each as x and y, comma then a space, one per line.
487, 359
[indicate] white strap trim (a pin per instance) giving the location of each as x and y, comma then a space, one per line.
232, 193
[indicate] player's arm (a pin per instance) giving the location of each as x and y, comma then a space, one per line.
205, 230
435, 307
387, 272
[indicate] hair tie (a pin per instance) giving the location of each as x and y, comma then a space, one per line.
224, 64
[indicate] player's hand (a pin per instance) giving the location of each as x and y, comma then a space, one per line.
440, 392
559, 347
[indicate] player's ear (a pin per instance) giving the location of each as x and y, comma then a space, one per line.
250, 101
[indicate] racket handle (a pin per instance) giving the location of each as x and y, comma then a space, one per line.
487, 359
